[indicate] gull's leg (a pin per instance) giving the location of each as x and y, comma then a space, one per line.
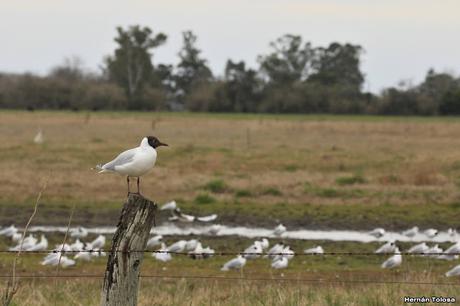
127, 180
138, 191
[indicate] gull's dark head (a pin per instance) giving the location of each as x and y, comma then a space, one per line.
155, 142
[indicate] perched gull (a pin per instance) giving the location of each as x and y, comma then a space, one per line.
420, 248
285, 252
263, 243
431, 232
26, 244
453, 272
169, 206
377, 232
85, 256
411, 232
134, 162
393, 261
178, 215
452, 232
162, 254
315, 250
279, 230
280, 263
154, 241
78, 232
388, 247
67, 262
235, 263
16, 237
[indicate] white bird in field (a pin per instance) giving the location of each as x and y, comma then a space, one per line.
84, 256
280, 263
434, 251
77, 245
214, 229
411, 232
377, 232
191, 244
28, 243
67, 262
451, 253
177, 247
287, 252
197, 252
253, 251
97, 253
51, 259
208, 252
154, 241
135, 162
418, 248
162, 254
62, 248
209, 218
453, 272
8, 231
431, 232
279, 230
264, 243
452, 232
78, 232
277, 248
39, 139
388, 247
235, 263
41, 246
169, 206
16, 237
393, 261
315, 250
97, 243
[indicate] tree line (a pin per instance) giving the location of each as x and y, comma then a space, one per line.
293, 77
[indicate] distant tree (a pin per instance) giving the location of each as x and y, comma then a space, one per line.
338, 65
70, 70
131, 66
450, 102
240, 91
192, 69
289, 62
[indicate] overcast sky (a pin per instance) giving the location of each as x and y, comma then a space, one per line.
402, 38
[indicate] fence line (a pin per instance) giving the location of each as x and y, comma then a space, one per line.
226, 278
231, 253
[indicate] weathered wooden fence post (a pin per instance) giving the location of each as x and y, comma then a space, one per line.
121, 277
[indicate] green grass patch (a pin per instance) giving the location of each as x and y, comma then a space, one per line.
243, 193
217, 186
350, 180
204, 198
272, 191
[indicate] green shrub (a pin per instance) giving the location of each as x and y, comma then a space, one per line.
350, 180
216, 186
272, 191
204, 198
243, 193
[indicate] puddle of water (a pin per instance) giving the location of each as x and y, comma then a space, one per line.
333, 235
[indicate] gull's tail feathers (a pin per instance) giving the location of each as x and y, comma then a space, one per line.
100, 168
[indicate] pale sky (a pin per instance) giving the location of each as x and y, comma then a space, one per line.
402, 38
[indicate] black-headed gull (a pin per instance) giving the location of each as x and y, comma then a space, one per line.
420, 248
393, 261
235, 263
377, 232
280, 263
279, 230
154, 241
453, 272
134, 162
431, 232
388, 247
315, 250
411, 232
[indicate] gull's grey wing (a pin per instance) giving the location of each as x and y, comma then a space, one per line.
122, 159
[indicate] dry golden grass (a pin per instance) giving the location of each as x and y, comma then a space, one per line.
403, 161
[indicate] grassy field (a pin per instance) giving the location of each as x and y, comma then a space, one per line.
309, 280
306, 171
341, 172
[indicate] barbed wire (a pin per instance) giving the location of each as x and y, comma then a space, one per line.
230, 278
230, 253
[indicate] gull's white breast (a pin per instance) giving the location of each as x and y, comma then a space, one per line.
142, 162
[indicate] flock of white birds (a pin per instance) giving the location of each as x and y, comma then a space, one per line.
279, 254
